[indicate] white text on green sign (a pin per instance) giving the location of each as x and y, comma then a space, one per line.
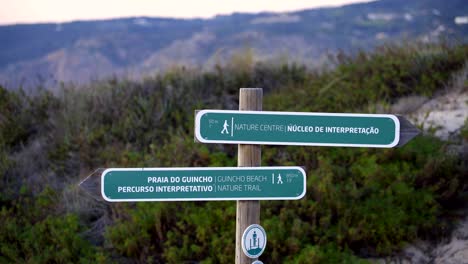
297, 128
203, 184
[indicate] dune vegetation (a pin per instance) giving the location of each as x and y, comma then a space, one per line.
360, 202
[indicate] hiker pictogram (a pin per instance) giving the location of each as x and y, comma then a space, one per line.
225, 128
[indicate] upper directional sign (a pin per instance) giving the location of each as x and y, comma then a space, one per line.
296, 128
203, 184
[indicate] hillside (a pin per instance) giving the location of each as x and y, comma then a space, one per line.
361, 204
81, 51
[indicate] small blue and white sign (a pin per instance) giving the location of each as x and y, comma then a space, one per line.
254, 241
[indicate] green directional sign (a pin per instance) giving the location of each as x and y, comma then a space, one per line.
296, 128
203, 184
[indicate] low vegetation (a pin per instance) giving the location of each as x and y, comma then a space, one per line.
360, 202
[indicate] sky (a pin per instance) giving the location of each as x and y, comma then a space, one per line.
39, 11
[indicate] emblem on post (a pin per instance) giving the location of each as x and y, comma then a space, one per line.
254, 241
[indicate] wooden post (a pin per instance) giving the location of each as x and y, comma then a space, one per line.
248, 212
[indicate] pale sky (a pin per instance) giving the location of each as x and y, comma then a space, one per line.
35, 11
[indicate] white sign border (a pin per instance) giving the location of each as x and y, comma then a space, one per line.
200, 113
104, 173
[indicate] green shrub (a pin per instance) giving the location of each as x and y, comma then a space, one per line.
365, 202
31, 234
325, 254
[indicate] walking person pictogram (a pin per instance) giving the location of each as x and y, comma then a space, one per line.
225, 128
280, 180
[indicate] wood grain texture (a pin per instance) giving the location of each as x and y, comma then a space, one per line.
248, 212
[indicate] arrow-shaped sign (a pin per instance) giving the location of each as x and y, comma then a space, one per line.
303, 129
407, 131
92, 184
196, 184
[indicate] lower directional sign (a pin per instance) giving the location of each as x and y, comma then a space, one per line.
203, 184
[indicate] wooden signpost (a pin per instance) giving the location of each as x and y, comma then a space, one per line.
248, 183
247, 212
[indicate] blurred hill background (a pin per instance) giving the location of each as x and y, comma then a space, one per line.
363, 205
81, 51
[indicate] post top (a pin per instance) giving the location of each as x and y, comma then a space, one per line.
251, 88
